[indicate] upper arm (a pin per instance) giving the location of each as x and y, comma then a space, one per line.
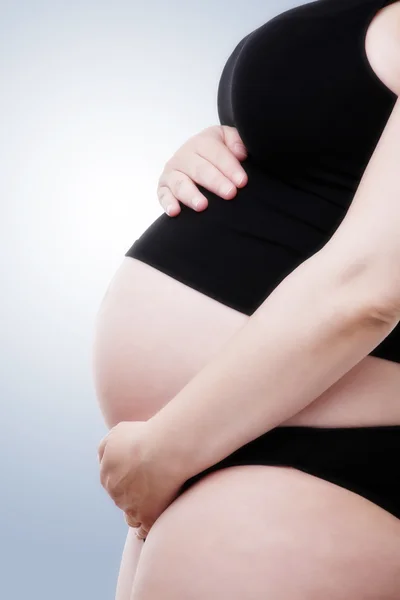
382, 46
366, 245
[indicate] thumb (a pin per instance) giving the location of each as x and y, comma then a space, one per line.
234, 142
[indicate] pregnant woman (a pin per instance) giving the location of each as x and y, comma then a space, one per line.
246, 356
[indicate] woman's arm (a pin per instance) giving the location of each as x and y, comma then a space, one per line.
326, 316
314, 327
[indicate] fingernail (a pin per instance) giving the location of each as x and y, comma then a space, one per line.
240, 148
227, 188
238, 178
197, 202
168, 210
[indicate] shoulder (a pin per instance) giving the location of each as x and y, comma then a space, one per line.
382, 45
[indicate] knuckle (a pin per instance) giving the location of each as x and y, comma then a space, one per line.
215, 179
199, 171
217, 132
203, 144
161, 192
177, 185
103, 479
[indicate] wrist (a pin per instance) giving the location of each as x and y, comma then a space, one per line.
168, 449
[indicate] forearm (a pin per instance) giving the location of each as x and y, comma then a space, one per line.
308, 333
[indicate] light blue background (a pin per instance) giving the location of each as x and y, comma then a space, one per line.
94, 98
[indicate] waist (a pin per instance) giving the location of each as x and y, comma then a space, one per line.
238, 251
366, 396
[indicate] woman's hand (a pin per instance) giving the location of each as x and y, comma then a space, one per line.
210, 158
139, 485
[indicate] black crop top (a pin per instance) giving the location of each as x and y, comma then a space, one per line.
310, 110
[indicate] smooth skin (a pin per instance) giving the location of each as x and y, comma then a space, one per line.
140, 368
211, 159
315, 570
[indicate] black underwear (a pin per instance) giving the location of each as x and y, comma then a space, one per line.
364, 460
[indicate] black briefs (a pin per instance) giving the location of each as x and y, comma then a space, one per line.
310, 111
361, 459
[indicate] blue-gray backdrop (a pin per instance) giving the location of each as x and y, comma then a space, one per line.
95, 97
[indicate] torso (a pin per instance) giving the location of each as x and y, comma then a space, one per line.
153, 334
156, 331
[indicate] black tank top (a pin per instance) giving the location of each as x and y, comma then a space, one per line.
310, 110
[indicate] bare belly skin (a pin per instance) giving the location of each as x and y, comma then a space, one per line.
153, 334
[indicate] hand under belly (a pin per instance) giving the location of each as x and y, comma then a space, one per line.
153, 334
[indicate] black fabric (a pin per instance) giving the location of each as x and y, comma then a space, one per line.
361, 459
310, 110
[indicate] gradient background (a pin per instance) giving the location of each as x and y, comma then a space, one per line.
94, 98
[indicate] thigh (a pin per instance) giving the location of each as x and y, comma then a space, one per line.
257, 532
130, 557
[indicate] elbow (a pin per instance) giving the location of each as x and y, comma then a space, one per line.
376, 298
379, 291
384, 307
370, 289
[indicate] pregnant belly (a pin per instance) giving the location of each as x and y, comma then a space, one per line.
154, 333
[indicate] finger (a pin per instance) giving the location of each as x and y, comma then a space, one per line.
168, 201
179, 180
183, 181
183, 187
234, 142
216, 153
141, 533
131, 521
